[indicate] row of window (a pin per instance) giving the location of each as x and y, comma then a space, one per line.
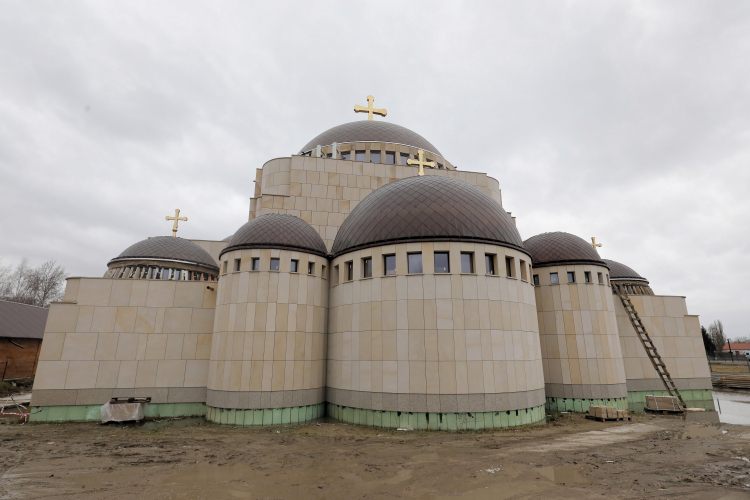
157, 273
376, 157
274, 266
554, 278
441, 266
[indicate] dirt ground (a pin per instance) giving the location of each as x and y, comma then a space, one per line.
652, 457
736, 369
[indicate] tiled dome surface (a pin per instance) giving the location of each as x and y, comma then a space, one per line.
370, 131
278, 231
426, 208
549, 249
169, 248
619, 271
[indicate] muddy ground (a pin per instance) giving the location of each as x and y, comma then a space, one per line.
190, 459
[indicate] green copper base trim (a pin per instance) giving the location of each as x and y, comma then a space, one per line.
695, 398
265, 417
436, 421
93, 413
582, 405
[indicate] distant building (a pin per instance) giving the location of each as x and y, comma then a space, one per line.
737, 347
21, 333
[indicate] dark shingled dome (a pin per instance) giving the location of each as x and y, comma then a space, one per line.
552, 249
619, 271
427, 208
370, 131
168, 248
278, 231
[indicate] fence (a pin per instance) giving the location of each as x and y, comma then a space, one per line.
727, 357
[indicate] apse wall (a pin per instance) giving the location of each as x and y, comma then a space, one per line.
268, 352
433, 350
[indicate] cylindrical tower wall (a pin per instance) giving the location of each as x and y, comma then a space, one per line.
581, 352
268, 351
451, 350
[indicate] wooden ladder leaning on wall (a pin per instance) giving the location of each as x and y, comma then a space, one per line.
647, 343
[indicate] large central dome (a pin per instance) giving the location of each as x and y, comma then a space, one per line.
426, 208
371, 131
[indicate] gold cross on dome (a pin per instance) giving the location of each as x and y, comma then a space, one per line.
369, 109
176, 218
594, 243
421, 162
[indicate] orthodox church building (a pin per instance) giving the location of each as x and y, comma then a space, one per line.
374, 283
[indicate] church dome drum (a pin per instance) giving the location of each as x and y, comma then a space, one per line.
559, 248
280, 231
634, 283
164, 257
426, 208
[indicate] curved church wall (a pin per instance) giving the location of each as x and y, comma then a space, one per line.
677, 337
125, 338
268, 352
437, 351
581, 352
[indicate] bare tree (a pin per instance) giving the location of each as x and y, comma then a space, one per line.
32, 285
716, 332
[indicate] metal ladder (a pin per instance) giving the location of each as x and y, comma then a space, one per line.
647, 343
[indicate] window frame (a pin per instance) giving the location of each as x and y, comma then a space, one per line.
402, 158
587, 276
491, 269
385, 264
447, 260
571, 276
510, 267
294, 266
536, 279
600, 277
278, 264
379, 155
556, 280
393, 155
349, 270
237, 265
255, 264
471, 263
366, 266
409, 261
524, 271
311, 268
346, 155
358, 153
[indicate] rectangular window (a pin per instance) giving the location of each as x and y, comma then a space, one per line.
599, 276
415, 263
489, 264
536, 280
510, 267
311, 268
367, 267
374, 156
553, 279
256, 264
274, 264
404, 157
294, 268
442, 262
335, 274
524, 276
389, 264
467, 262
587, 276
440, 166
359, 155
390, 158
323, 272
224, 267
571, 277
346, 155
237, 264
608, 283
349, 266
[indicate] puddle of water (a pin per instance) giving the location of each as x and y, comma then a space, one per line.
700, 432
567, 475
733, 407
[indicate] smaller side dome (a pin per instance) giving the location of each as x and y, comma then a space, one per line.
167, 248
277, 231
559, 248
618, 271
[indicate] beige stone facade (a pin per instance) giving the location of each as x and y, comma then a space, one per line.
322, 191
122, 338
578, 334
433, 342
269, 347
677, 337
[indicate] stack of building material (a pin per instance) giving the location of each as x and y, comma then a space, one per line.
607, 413
662, 403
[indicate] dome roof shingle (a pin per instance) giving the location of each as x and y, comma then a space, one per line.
277, 231
370, 131
168, 248
558, 248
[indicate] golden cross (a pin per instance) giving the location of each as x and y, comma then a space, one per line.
594, 243
176, 218
369, 109
421, 163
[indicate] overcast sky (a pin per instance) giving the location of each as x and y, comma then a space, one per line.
628, 121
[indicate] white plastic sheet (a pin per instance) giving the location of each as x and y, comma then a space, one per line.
122, 412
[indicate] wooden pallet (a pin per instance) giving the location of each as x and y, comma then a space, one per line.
664, 412
602, 419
